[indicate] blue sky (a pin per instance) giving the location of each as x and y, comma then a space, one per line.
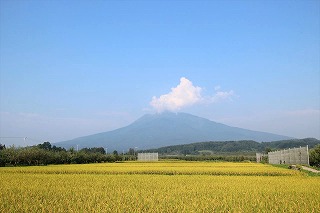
73, 68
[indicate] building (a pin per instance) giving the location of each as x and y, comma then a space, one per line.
148, 157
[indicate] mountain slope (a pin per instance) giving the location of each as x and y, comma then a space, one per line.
157, 130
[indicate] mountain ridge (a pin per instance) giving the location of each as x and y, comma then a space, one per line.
167, 128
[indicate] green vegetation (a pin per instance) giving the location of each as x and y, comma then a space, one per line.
314, 156
44, 154
237, 148
229, 157
232, 151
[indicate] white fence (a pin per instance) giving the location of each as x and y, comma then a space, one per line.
290, 156
260, 156
148, 157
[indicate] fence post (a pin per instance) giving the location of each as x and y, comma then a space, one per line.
308, 155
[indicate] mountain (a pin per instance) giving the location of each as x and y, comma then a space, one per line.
158, 130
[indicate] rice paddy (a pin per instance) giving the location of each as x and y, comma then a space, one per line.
158, 187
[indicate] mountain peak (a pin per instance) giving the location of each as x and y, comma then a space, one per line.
168, 128
169, 115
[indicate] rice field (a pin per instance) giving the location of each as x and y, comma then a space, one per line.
158, 187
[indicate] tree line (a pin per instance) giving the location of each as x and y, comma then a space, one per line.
45, 153
228, 158
236, 147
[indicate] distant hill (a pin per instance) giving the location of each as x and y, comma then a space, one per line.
158, 130
245, 146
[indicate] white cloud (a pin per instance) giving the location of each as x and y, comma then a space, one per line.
186, 94
221, 95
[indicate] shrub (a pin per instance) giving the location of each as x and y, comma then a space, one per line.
314, 156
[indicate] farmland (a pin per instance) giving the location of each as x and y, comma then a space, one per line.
158, 187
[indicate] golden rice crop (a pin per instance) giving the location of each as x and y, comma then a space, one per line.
163, 168
62, 189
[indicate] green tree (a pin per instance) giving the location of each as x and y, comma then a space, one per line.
131, 151
94, 150
46, 145
10, 155
314, 156
267, 149
72, 150
2, 146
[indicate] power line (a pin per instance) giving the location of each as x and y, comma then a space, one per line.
13, 137
24, 139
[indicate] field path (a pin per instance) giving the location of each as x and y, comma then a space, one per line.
310, 169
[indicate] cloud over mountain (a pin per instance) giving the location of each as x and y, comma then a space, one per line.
186, 94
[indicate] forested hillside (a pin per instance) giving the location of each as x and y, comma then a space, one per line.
241, 147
